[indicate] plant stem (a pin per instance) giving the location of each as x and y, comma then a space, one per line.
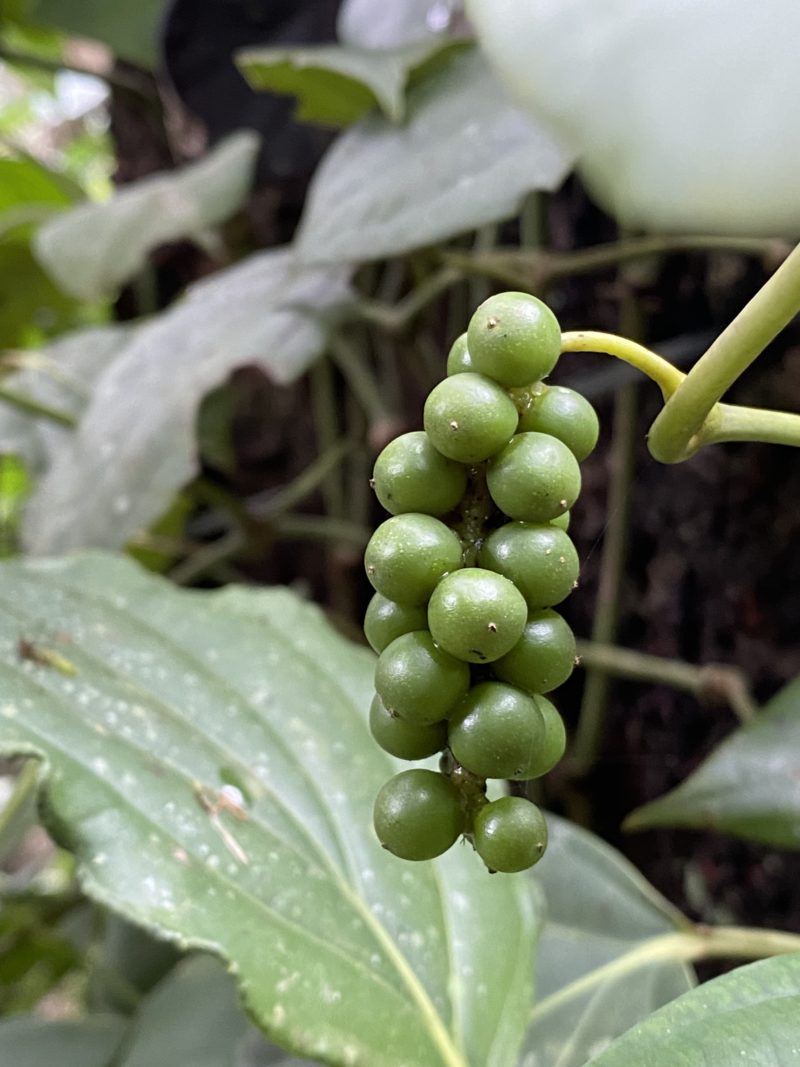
36, 408
360, 378
266, 506
770, 310
667, 377
535, 270
395, 319
320, 528
714, 681
699, 943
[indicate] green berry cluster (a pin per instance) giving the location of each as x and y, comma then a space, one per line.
467, 572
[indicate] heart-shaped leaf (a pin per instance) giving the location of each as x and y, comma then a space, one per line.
748, 786
135, 446
207, 757
464, 158
337, 84
601, 965
141, 216
750, 1016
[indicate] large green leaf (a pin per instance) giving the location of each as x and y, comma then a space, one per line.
144, 701
337, 84
33, 1042
93, 249
747, 786
465, 157
750, 1016
601, 964
135, 445
32, 307
130, 30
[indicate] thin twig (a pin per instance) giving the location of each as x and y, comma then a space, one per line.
713, 682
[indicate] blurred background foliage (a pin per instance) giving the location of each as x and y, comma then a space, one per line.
232, 260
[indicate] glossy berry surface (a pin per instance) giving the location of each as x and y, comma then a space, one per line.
418, 814
564, 414
458, 358
535, 478
476, 614
386, 620
510, 834
405, 740
410, 475
544, 656
561, 521
469, 418
553, 744
514, 339
408, 555
496, 731
540, 560
419, 681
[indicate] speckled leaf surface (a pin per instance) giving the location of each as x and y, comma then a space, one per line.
599, 911
144, 702
750, 1016
749, 786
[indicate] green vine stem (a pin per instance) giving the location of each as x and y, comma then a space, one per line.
679, 429
694, 418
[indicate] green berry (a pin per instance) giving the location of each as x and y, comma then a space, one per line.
458, 358
514, 339
564, 414
469, 418
496, 730
385, 620
418, 815
476, 615
561, 521
544, 656
541, 561
406, 740
408, 555
535, 478
510, 834
410, 475
551, 750
419, 681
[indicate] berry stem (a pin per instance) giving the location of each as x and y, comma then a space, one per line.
476, 508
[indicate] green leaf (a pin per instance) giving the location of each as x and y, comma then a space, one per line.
135, 446
129, 30
25, 181
59, 377
751, 1016
191, 1018
465, 158
125, 229
369, 25
32, 307
336, 85
595, 975
33, 1042
342, 952
747, 786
